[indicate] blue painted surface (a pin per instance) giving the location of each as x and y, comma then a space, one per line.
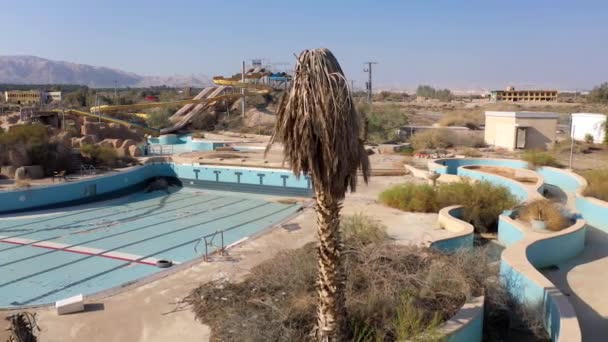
508, 234
156, 224
456, 243
595, 213
183, 143
473, 332
516, 188
228, 178
450, 166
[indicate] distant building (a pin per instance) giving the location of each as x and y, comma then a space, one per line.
520, 130
22, 96
31, 97
592, 124
52, 96
406, 132
512, 95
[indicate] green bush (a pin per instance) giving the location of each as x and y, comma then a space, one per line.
25, 135
538, 159
411, 197
482, 201
597, 183
159, 117
589, 138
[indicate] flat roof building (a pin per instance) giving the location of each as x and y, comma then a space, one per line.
22, 96
520, 130
512, 95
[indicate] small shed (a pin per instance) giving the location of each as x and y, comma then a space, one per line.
520, 130
584, 124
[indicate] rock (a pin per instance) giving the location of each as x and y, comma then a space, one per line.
135, 151
128, 143
74, 142
8, 171
29, 172
106, 143
116, 143
18, 156
87, 140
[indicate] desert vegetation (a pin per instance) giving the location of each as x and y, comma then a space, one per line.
432, 93
102, 156
538, 159
25, 145
444, 138
393, 292
597, 183
482, 201
545, 211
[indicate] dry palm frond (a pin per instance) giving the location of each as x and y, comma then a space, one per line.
319, 126
22, 327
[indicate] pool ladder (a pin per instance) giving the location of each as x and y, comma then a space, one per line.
208, 241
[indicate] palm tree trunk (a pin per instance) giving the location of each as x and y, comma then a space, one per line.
331, 280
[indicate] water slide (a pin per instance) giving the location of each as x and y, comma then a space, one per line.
184, 110
149, 130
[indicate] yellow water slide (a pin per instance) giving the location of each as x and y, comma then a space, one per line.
102, 117
147, 105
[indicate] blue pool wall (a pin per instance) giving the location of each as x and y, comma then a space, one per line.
255, 180
454, 244
540, 253
186, 143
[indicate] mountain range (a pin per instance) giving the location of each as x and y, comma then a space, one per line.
36, 70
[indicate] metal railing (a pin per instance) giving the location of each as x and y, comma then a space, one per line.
87, 170
160, 150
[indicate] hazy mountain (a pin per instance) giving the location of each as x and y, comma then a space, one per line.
36, 70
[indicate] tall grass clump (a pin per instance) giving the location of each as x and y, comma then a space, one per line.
597, 183
393, 292
482, 201
538, 159
547, 211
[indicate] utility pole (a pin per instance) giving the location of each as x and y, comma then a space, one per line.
243, 90
368, 84
115, 86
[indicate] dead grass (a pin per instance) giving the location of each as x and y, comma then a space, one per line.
393, 292
547, 211
597, 183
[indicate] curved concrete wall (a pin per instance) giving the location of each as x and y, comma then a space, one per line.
463, 232
185, 143
256, 180
467, 324
526, 249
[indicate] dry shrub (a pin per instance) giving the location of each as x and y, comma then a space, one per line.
432, 139
538, 159
411, 197
597, 183
471, 119
471, 153
22, 327
544, 210
393, 292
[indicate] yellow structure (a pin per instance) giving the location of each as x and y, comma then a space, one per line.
520, 130
512, 95
22, 96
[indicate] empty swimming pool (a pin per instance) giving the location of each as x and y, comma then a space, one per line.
46, 256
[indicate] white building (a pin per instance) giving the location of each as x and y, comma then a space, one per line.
52, 96
588, 123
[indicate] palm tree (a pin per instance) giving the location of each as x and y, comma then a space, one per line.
319, 127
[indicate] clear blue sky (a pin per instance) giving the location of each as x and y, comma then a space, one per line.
461, 44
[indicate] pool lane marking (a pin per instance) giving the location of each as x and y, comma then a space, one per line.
116, 268
96, 227
60, 214
82, 250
